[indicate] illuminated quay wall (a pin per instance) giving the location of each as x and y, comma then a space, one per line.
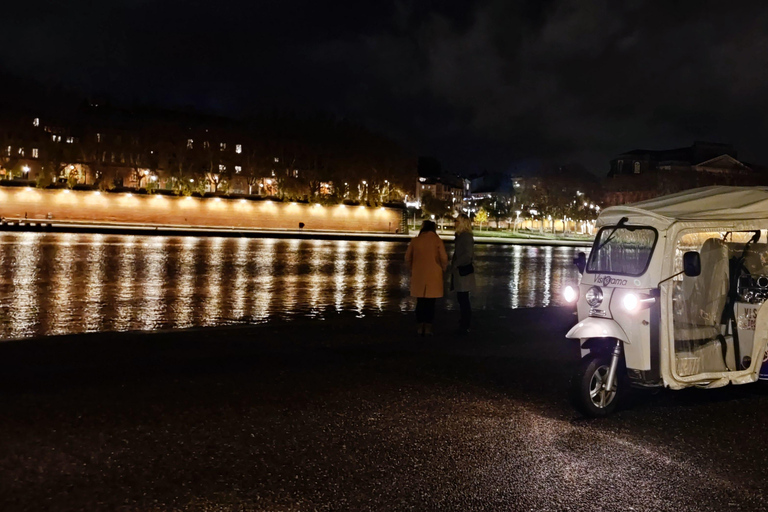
156, 210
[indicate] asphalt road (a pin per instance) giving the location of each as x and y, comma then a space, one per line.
358, 414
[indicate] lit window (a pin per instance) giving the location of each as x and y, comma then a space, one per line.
98, 137
238, 169
273, 172
35, 153
53, 138
238, 148
277, 159
21, 151
222, 167
189, 143
8, 150
295, 173
222, 146
70, 140
36, 121
206, 145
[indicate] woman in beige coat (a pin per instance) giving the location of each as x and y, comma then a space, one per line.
427, 260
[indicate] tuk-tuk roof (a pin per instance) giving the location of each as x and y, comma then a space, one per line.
698, 204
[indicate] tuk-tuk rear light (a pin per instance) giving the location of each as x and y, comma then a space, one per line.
570, 294
594, 296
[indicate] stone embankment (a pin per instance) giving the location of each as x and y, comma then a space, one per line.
95, 207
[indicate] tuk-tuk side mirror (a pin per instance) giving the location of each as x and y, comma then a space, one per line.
691, 264
581, 262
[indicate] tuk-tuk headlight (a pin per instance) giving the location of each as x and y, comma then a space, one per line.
570, 294
631, 302
635, 302
594, 296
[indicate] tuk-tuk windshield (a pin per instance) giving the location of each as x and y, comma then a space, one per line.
624, 250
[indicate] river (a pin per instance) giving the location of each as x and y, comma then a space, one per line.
70, 283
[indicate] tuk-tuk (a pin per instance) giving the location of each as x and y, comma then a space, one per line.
671, 295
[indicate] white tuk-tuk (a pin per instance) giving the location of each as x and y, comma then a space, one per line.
671, 295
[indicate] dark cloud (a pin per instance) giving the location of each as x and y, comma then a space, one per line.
477, 85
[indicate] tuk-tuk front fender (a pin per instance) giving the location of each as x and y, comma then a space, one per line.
597, 328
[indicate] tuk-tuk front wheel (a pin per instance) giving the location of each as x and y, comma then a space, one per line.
588, 386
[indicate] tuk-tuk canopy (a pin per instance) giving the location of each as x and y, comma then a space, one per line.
698, 204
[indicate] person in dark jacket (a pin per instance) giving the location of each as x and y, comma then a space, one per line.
462, 270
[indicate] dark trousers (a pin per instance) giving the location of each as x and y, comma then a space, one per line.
425, 310
466, 310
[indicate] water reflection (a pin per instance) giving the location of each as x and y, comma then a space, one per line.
266, 256
152, 279
24, 265
125, 284
240, 285
94, 285
339, 277
212, 276
61, 286
66, 283
185, 286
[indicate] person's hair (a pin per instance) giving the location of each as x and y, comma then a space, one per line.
463, 224
428, 225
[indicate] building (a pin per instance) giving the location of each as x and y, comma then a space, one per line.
443, 188
643, 174
94, 144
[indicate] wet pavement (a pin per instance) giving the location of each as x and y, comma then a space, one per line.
358, 414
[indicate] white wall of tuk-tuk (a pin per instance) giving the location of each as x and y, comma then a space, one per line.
669, 374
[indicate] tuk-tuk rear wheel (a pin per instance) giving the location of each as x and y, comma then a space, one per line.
588, 393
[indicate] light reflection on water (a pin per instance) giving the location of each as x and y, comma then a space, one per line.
69, 283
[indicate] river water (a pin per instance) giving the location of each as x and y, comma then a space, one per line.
71, 283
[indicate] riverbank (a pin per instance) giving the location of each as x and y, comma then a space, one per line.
118, 228
357, 414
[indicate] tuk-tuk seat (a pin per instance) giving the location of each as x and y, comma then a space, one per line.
697, 323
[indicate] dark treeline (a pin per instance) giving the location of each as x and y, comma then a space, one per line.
52, 136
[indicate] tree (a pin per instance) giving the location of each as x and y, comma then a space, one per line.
481, 217
496, 207
431, 205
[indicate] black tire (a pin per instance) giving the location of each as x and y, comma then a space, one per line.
587, 394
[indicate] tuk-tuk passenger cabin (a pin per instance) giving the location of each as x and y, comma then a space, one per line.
671, 295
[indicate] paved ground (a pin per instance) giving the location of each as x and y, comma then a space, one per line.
358, 414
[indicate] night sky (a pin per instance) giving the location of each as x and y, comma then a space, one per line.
481, 85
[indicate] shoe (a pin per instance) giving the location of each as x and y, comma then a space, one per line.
428, 330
